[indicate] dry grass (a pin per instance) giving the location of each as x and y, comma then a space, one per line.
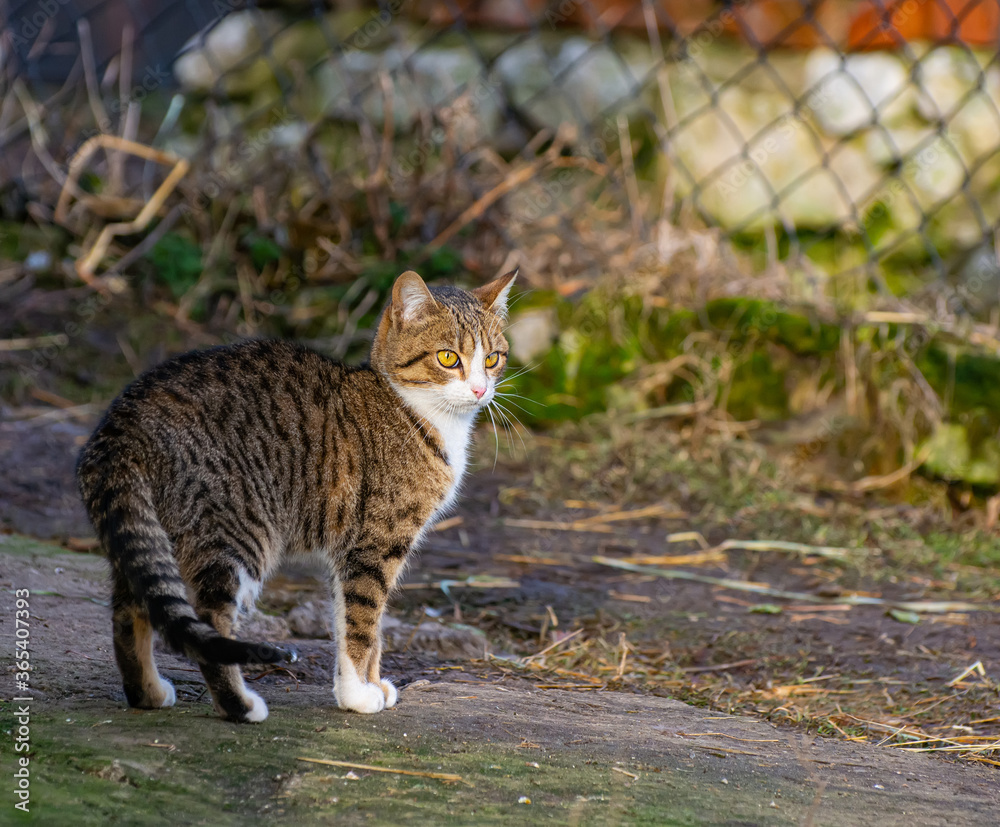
336, 212
594, 659
783, 617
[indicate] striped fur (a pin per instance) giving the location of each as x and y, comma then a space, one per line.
212, 466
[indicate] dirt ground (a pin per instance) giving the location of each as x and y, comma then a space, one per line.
581, 749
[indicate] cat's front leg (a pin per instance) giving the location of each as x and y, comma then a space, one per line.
375, 671
359, 598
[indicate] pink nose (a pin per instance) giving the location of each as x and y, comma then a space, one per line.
479, 392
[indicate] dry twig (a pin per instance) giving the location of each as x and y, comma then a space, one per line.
930, 606
440, 776
86, 266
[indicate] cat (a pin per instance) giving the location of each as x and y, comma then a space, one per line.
207, 469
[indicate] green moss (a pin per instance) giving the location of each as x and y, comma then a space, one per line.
967, 380
177, 263
94, 766
746, 318
758, 390
952, 455
605, 339
972, 548
18, 240
17, 544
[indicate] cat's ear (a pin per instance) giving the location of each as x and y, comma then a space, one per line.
410, 298
494, 294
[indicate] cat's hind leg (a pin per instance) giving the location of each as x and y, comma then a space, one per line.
133, 644
220, 588
359, 599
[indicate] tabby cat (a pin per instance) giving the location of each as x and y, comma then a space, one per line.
209, 468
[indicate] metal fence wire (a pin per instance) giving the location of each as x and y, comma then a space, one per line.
857, 142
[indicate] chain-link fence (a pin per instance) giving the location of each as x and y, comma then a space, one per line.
857, 144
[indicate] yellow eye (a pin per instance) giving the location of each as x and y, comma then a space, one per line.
492, 359
448, 358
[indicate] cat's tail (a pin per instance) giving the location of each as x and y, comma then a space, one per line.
141, 554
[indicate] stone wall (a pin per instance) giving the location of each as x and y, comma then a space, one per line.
877, 143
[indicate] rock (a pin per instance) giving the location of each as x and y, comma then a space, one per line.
447, 642
935, 173
577, 81
963, 223
289, 135
976, 279
209, 56
440, 73
113, 772
890, 146
468, 100
597, 78
706, 147
944, 77
304, 41
38, 493
451, 81
38, 261
975, 128
751, 159
526, 73
835, 195
259, 626
931, 169
532, 333
784, 158
310, 620
850, 92
524, 70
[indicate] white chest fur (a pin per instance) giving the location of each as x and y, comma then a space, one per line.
454, 430
456, 434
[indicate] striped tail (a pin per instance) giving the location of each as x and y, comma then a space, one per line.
140, 552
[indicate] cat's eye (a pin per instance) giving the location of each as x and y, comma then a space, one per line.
448, 358
492, 359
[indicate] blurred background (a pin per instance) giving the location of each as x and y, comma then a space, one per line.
745, 213
756, 330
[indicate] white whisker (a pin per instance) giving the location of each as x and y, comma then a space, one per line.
507, 397
521, 372
519, 297
510, 422
514, 395
496, 437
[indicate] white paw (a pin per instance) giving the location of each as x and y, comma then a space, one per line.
169, 695
391, 695
359, 696
258, 710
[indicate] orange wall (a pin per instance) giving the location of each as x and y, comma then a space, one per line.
845, 24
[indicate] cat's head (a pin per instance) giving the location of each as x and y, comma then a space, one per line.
443, 348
